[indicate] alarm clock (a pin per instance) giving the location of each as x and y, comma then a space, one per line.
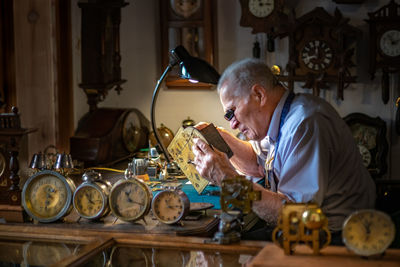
90, 199
130, 199
170, 206
47, 196
368, 232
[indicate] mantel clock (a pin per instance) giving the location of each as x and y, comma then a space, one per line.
384, 48
321, 49
11, 134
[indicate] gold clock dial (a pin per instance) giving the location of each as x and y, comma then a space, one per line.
316, 55
180, 149
368, 232
130, 200
261, 8
47, 196
170, 206
91, 201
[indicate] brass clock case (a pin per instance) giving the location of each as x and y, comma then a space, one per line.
90, 200
368, 232
170, 206
130, 200
47, 196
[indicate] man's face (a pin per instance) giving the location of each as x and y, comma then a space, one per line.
248, 117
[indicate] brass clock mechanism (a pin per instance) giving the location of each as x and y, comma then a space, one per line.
180, 149
301, 222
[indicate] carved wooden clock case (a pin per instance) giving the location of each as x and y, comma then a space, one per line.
384, 49
264, 16
11, 134
321, 47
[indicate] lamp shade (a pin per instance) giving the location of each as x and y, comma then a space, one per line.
193, 68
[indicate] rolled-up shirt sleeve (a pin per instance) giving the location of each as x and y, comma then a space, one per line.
304, 158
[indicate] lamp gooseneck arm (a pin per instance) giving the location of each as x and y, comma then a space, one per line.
152, 113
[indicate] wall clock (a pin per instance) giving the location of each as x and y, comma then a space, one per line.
188, 23
384, 49
262, 15
101, 56
321, 48
370, 136
265, 16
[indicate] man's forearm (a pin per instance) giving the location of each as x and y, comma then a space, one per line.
270, 204
244, 159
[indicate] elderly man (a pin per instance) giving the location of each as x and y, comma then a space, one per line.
297, 141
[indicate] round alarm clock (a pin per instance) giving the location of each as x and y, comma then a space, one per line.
90, 199
368, 232
47, 196
170, 206
130, 199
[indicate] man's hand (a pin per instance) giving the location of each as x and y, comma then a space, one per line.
213, 165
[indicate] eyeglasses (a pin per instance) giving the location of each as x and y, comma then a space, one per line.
229, 114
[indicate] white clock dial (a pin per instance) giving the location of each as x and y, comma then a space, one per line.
365, 155
390, 43
261, 8
316, 55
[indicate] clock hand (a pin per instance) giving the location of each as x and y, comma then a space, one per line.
132, 201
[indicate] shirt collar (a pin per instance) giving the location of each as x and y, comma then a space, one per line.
273, 129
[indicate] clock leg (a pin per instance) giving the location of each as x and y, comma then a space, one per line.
398, 116
385, 87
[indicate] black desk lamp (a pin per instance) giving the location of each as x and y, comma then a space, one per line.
191, 68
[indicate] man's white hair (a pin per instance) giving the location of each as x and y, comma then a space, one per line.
243, 74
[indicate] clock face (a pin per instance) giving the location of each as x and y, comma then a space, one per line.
185, 8
170, 206
261, 8
389, 43
89, 201
365, 155
368, 232
316, 55
130, 200
47, 196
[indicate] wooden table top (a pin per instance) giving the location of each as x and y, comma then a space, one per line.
331, 256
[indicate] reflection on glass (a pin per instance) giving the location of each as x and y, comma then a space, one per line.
132, 256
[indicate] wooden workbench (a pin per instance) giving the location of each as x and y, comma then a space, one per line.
331, 256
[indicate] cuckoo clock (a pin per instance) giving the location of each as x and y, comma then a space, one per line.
384, 49
321, 48
264, 16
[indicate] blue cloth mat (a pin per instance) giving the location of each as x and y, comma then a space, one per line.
208, 194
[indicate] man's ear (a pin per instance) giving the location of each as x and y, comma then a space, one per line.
259, 93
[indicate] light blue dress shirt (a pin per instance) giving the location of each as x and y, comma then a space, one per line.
317, 159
